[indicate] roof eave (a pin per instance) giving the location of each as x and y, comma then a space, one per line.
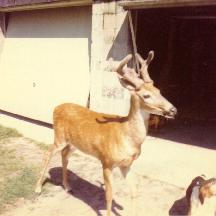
144, 4
37, 6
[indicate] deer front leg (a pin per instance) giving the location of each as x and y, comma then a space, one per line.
107, 173
46, 159
131, 181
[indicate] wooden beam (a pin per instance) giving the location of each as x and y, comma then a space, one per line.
195, 17
47, 5
133, 41
139, 4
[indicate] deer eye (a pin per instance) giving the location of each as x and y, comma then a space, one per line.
146, 96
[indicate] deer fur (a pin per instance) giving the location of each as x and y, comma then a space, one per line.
114, 140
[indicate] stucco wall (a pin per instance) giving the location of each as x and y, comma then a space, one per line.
110, 39
45, 61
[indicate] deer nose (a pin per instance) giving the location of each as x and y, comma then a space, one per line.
173, 111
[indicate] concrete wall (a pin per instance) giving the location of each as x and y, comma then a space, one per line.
44, 61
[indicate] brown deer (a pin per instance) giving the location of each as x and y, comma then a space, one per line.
114, 140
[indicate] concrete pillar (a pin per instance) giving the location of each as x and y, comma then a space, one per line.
110, 39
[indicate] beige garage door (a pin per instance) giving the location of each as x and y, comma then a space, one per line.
45, 61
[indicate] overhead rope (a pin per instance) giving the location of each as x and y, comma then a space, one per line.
134, 45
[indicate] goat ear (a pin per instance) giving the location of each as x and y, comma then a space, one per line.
202, 194
201, 198
150, 57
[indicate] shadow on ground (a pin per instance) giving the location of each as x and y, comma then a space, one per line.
179, 207
89, 193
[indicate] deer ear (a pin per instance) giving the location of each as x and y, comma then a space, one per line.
150, 57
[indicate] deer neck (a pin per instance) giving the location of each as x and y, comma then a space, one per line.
137, 128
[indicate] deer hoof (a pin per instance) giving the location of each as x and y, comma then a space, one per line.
68, 188
38, 190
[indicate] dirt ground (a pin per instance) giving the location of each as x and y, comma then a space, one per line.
156, 197
169, 161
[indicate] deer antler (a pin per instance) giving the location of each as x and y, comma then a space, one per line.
144, 66
120, 69
128, 75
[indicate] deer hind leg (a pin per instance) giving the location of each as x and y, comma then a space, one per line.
107, 173
131, 182
47, 156
65, 155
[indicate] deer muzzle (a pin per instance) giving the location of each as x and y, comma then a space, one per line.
171, 113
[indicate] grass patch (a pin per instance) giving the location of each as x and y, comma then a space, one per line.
42, 146
8, 162
6, 132
16, 179
19, 186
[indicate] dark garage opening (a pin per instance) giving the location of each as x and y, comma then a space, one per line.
184, 68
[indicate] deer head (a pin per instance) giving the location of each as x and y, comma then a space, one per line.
142, 85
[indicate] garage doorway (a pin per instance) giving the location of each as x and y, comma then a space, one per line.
184, 68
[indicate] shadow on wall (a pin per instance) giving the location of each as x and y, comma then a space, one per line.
122, 44
72, 22
91, 194
51, 23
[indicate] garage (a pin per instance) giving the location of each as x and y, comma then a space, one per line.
183, 38
45, 60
